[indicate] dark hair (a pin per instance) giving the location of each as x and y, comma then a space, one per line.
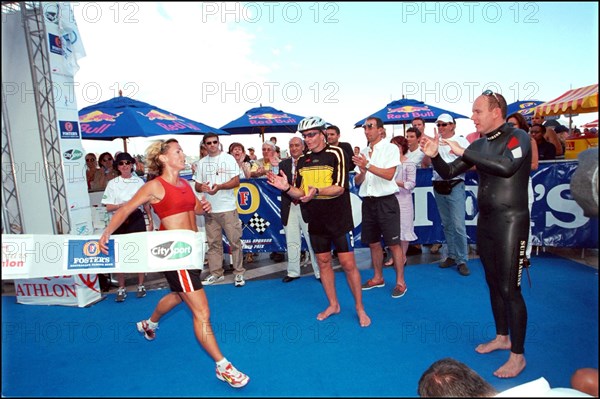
414, 130
377, 120
334, 127
521, 121
450, 378
401, 142
209, 135
236, 144
541, 126
101, 158
418, 118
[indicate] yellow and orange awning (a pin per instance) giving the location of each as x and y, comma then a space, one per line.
576, 101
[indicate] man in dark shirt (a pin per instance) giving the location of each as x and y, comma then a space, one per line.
546, 150
333, 138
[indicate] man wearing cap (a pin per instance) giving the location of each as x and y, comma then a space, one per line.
502, 158
451, 200
252, 155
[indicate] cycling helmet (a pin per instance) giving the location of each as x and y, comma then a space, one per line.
312, 122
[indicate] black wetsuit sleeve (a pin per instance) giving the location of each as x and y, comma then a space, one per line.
449, 170
502, 158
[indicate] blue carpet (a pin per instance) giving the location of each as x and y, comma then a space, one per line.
269, 330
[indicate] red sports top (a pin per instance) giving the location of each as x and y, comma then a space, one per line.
176, 200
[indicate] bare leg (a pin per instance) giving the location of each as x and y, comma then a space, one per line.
348, 263
165, 304
328, 281
141, 278
500, 342
377, 259
198, 304
515, 364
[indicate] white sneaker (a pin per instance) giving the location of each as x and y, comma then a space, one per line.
239, 280
232, 376
121, 294
212, 279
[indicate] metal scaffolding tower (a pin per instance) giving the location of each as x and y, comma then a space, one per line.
39, 62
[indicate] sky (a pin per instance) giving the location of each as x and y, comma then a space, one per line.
211, 62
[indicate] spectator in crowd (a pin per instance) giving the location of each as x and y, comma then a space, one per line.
356, 150
562, 132
173, 200
118, 191
450, 199
239, 153
106, 166
414, 153
277, 149
294, 216
377, 165
518, 121
333, 138
260, 167
93, 174
406, 179
448, 377
217, 175
546, 151
322, 184
549, 134
419, 124
251, 154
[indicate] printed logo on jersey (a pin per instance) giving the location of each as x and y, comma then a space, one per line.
515, 148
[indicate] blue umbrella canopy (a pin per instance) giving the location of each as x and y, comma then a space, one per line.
405, 110
123, 117
264, 120
525, 108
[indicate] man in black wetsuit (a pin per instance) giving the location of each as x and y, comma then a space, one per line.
503, 160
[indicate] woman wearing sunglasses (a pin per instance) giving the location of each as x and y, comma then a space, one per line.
118, 191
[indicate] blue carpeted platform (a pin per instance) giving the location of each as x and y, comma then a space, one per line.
269, 330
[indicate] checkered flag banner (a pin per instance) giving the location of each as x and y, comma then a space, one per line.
258, 223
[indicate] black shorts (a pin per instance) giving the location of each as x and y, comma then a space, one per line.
135, 223
323, 243
380, 218
184, 280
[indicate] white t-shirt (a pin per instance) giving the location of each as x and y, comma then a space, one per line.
415, 156
448, 156
218, 170
120, 190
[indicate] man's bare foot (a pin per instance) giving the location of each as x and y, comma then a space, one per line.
328, 312
515, 364
500, 342
365, 321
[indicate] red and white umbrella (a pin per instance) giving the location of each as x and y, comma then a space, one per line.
590, 125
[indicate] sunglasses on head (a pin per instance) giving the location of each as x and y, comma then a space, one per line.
121, 163
311, 134
491, 93
443, 124
211, 142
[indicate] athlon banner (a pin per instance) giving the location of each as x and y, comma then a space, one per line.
557, 220
26, 256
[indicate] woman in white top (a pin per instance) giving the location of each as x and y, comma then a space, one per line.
118, 191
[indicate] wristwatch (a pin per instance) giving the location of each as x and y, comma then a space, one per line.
316, 192
367, 165
288, 189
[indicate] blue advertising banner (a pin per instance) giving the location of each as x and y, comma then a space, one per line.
557, 220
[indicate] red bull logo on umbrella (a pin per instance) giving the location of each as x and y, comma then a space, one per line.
409, 111
98, 116
154, 114
269, 119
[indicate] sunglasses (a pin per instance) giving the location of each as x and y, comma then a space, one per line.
311, 134
90, 160
369, 125
443, 124
107, 159
211, 142
121, 163
491, 93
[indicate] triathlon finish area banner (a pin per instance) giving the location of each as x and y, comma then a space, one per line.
557, 220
